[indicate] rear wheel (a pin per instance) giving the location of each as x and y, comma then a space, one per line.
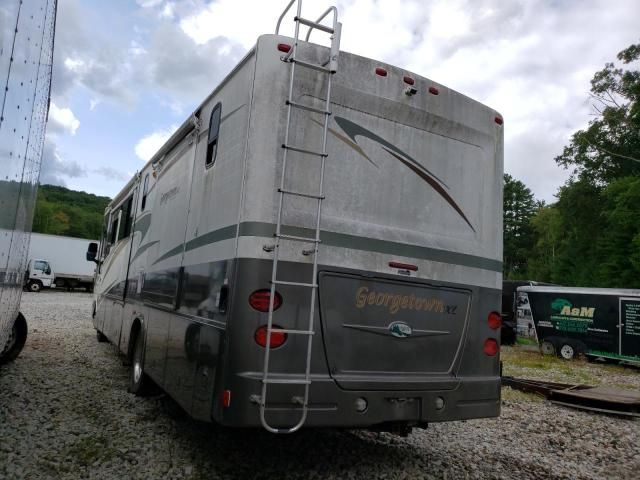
35, 286
567, 351
547, 348
139, 383
16, 341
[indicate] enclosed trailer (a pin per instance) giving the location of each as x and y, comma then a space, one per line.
599, 322
319, 244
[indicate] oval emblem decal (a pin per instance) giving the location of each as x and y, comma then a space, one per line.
400, 329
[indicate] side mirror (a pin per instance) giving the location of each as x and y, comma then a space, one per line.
92, 252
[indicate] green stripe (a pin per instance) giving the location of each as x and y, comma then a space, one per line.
367, 244
341, 240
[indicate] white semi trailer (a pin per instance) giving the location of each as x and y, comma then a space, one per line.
58, 262
26, 54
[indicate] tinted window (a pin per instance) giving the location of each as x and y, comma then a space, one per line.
214, 129
127, 219
145, 189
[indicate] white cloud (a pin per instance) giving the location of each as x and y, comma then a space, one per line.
55, 169
62, 120
148, 145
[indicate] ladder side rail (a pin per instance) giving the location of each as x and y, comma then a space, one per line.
283, 14
314, 291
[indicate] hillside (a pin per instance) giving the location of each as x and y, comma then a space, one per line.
60, 211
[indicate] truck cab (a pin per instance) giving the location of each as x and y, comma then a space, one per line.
39, 275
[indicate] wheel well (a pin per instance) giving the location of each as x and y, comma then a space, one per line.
136, 329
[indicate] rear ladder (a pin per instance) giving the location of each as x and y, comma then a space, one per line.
328, 68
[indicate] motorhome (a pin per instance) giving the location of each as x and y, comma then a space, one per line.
319, 244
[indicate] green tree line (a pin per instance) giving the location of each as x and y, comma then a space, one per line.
591, 235
60, 211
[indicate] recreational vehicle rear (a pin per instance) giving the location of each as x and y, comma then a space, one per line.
319, 244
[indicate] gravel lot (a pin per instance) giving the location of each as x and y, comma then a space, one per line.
65, 413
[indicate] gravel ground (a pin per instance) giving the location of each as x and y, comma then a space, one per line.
65, 413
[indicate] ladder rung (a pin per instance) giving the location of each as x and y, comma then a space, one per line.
301, 194
312, 66
308, 108
304, 150
310, 23
293, 332
296, 284
286, 381
298, 239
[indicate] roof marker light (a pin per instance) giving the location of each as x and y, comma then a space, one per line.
499, 120
434, 91
408, 80
284, 47
381, 71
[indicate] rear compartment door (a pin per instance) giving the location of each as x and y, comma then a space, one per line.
384, 334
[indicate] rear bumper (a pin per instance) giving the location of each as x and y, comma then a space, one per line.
331, 406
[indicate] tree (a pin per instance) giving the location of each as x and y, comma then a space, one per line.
609, 148
519, 207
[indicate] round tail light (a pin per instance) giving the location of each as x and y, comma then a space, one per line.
277, 338
491, 347
260, 299
495, 320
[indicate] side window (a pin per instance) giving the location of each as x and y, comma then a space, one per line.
214, 129
145, 189
40, 265
114, 228
126, 219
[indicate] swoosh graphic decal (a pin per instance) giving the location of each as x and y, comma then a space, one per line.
354, 130
437, 187
341, 137
143, 249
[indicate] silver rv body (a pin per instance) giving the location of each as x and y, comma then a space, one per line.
408, 264
26, 52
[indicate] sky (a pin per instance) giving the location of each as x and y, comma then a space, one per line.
128, 73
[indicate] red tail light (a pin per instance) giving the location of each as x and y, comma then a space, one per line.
491, 347
259, 300
283, 47
495, 320
408, 80
499, 120
276, 340
381, 71
433, 91
226, 398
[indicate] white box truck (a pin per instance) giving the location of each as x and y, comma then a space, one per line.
58, 262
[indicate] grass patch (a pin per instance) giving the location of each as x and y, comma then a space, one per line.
526, 341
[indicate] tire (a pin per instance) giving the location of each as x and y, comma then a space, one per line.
547, 348
16, 341
567, 351
101, 337
139, 383
34, 286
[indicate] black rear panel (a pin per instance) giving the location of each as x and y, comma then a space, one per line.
377, 328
